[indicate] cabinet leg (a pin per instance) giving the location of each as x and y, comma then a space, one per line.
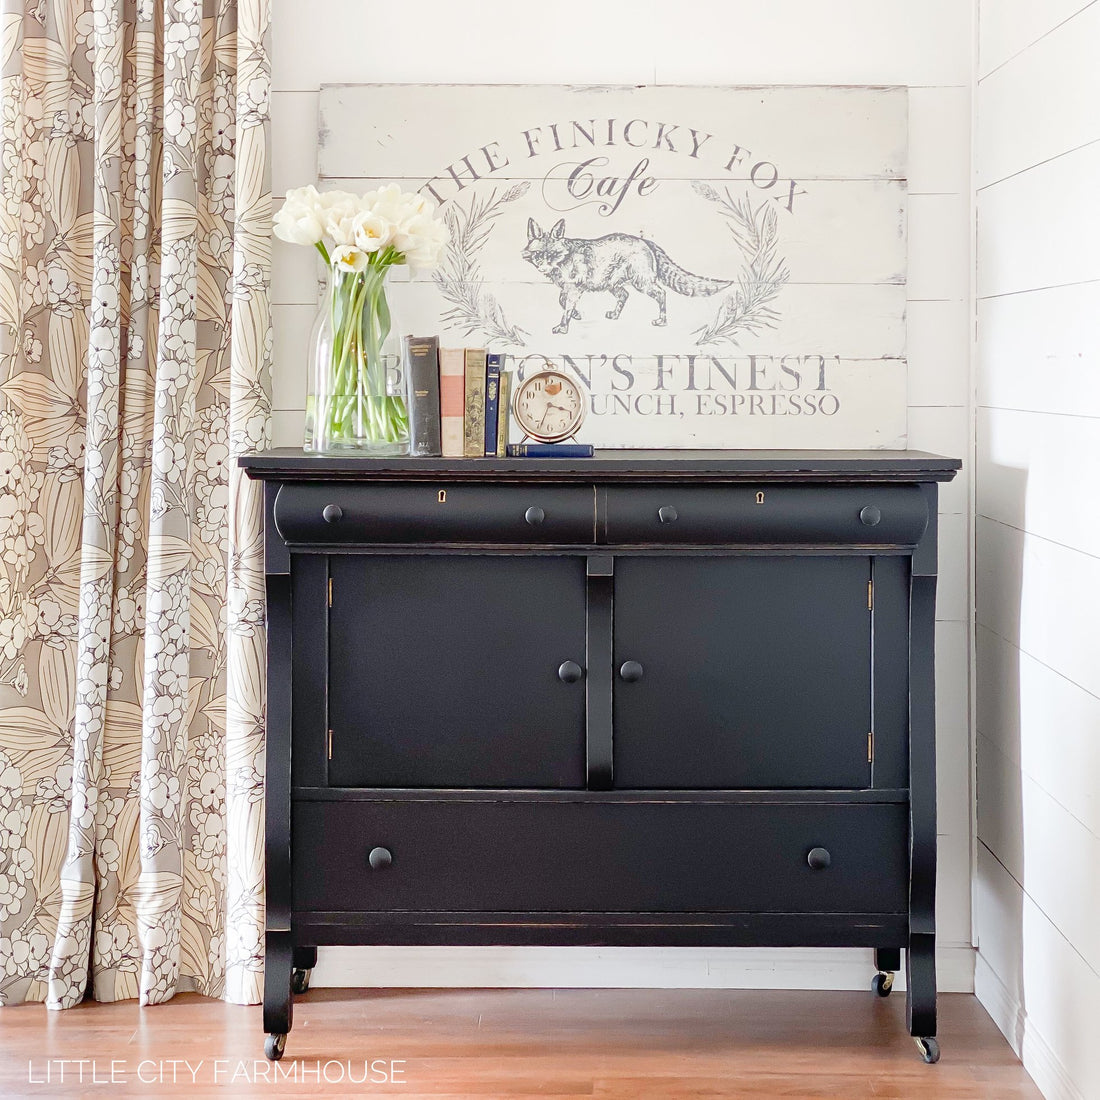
888, 959
887, 963
305, 958
920, 973
278, 1000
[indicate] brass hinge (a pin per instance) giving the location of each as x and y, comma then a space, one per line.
330, 744
870, 595
330, 592
870, 746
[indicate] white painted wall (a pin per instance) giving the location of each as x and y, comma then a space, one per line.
1037, 161
926, 44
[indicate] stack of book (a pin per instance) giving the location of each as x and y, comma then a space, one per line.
458, 400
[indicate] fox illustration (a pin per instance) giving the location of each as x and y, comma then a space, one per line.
612, 263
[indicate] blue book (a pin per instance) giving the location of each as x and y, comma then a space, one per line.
492, 401
549, 450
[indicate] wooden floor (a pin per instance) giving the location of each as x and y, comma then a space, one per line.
628, 1044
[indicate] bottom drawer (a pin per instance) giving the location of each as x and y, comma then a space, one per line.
599, 856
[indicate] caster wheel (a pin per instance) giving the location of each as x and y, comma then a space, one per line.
882, 984
299, 981
929, 1050
274, 1046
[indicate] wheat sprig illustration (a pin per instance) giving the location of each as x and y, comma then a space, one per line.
748, 309
472, 307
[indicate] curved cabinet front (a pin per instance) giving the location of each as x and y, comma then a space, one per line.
799, 515
341, 513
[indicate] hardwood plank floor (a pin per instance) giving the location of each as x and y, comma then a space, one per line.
610, 1043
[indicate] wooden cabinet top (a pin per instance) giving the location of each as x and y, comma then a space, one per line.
292, 463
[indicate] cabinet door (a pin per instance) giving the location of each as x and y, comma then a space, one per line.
443, 671
747, 672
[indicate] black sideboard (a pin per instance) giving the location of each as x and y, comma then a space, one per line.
646, 698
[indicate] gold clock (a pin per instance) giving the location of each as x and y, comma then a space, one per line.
549, 406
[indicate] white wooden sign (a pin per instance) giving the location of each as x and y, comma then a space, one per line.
720, 267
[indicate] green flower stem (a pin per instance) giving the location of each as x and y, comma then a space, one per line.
357, 405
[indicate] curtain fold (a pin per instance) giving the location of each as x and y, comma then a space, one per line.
135, 355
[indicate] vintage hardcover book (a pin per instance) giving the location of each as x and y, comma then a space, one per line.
475, 403
452, 400
549, 450
504, 412
492, 398
422, 363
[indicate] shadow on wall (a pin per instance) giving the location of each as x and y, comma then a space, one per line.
1037, 738
999, 584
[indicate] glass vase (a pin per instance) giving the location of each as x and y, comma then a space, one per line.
356, 401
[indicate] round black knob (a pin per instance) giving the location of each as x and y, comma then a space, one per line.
534, 515
819, 858
870, 515
569, 672
631, 671
667, 514
380, 858
332, 513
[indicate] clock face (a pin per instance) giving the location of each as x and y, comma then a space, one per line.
549, 406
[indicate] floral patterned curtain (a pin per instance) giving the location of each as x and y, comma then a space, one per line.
134, 363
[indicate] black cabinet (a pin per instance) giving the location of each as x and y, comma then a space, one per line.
640, 699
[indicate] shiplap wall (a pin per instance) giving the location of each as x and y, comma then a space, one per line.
926, 45
1037, 161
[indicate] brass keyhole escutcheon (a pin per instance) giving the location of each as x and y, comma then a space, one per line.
442, 498
759, 498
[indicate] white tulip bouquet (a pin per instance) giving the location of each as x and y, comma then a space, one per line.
360, 237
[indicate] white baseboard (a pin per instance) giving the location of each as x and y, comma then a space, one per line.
1031, 1048
623, 967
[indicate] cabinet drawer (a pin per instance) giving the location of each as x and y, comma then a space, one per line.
599, 856
333, 512
871, 515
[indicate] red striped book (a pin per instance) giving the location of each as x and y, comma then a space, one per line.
452, 399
